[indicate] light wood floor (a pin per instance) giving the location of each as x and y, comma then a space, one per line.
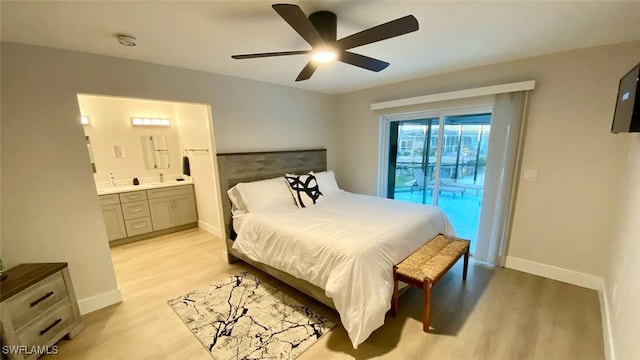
497, 314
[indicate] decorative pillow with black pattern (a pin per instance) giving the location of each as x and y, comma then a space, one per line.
304, 189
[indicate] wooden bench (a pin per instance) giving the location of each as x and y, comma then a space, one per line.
426, 266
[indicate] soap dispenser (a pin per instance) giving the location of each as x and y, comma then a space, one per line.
112, 180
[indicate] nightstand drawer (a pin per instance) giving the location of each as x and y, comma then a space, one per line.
135, 210
44, 328
36, 299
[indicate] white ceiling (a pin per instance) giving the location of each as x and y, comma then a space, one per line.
202, 35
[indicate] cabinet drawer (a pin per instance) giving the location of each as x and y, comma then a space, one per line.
111, 199
133, 196
138, 226
170, 191
134, 210
47, 326
36, 299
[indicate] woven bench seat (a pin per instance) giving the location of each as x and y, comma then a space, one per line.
426, 266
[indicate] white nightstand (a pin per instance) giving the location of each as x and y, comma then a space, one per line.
39, 307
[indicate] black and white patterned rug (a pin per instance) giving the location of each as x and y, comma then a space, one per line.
243, 317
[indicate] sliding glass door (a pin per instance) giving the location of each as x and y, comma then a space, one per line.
413, 146
442, 168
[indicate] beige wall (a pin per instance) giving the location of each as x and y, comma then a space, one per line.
564, 218
622, 284
194, 132
50, 210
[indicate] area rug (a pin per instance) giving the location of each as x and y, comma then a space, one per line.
243, 317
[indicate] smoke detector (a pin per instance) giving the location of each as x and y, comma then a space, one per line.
126, 39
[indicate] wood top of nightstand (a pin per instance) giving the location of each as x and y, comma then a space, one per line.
25, 275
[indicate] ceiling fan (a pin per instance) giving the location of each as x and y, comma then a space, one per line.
319, 30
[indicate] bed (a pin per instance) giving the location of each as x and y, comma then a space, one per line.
340, 251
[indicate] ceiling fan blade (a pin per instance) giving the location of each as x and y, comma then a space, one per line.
294, 16
362, 61
307, 71
384, 31
270, 54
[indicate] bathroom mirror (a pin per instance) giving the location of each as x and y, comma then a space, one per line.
93, 162
154, 151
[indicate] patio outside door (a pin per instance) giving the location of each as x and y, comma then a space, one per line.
442, 168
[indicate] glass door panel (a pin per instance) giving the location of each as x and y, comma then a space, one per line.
461, 174
412, 159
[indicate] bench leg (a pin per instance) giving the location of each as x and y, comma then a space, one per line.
426, 312
394, 296
466, 265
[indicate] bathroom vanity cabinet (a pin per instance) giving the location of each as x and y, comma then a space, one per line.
146, 213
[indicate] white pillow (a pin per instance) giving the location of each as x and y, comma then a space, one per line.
238, 207
327, 182
305, 189
237, 204
265, 194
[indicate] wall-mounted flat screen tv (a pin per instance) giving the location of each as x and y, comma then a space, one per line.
627, 115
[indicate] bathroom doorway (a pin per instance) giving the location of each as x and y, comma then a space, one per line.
146, 149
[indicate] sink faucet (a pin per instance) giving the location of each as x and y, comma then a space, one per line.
161, 178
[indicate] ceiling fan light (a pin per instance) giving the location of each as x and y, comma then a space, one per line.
324, 56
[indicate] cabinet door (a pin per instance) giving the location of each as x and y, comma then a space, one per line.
173, 211
184, 209
161, 213
114, 222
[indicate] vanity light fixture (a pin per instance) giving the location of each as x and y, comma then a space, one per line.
84, 120
150, 122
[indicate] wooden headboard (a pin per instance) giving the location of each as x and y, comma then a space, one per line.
234, 168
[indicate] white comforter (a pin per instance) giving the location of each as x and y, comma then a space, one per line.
347, 245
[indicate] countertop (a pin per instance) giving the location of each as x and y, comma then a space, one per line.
127, 188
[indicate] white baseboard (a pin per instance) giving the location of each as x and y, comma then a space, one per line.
209, 228
99, 301
574, 278
555, 273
